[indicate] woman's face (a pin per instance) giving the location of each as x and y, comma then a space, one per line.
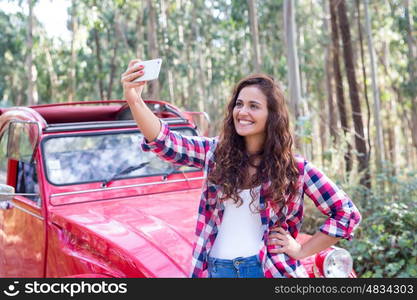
250, 112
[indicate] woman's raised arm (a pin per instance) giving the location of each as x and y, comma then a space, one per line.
147, 122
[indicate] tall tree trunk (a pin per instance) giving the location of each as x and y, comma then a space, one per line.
31, 94
253, 20
331, 113
189, 52
392, 140
301, 32
181, 81
72, 72
365, 86
153, 86
322, 126
339, 84
115, 42
412, 69
52, 74
99, 63
391, 130
394, 130
196, 33
379, 145
139, 32
305, 83
292, 60
121, 36
354, 95
166, 47
19, 92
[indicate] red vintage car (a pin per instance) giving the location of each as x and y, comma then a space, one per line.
79, 198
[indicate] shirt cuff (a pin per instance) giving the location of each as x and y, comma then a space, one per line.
158, 141
341, 229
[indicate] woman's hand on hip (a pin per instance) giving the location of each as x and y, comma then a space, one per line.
282, 242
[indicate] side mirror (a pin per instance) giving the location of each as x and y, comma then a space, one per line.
23, 140
6, 193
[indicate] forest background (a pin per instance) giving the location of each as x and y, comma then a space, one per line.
349, 70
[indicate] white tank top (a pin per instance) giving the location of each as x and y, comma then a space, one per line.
241, 231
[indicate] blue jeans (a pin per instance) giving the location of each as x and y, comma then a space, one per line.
240, 267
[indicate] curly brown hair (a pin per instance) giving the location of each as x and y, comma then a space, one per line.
277, 162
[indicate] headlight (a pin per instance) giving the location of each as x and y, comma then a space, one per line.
338, 263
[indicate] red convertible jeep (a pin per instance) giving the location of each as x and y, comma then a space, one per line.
78, 197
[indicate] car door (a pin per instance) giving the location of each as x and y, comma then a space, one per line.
22, 223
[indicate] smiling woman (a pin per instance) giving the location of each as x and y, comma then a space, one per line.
251, 207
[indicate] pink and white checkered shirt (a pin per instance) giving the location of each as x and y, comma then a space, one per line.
198, 151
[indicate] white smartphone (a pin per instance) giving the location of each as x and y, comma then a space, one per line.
151, 69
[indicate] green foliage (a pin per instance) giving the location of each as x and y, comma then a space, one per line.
386, 245
12, 57
386, 242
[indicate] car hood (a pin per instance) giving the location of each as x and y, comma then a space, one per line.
152, 233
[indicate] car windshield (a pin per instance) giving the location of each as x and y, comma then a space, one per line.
82, 158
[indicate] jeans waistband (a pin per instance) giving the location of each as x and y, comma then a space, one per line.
250, 260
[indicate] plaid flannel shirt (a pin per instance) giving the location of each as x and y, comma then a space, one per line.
197, 151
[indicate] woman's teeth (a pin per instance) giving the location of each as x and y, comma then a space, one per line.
245, 122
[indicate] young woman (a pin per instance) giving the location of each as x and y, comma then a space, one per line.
251, 206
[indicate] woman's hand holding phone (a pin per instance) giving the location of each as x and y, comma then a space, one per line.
133, 90
147, 122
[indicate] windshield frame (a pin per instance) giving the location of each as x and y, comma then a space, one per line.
105, 132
